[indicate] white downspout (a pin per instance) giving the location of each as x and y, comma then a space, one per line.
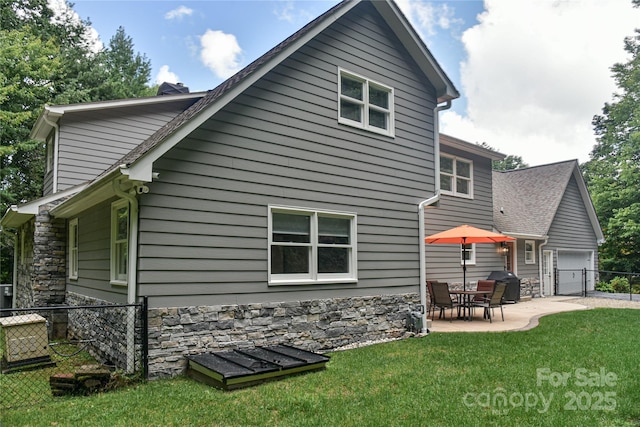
430, 201
132, 272
540, 267
56, 136
15, 271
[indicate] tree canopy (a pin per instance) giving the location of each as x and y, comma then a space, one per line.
47, 57
613, 171
510, 161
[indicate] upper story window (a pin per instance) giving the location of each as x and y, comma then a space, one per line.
73, 248
529, 252
310, 246
365, 104
119, 242
456, 176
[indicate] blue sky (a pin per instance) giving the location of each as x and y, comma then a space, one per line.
532, 73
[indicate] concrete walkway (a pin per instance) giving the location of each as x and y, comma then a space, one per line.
521, 316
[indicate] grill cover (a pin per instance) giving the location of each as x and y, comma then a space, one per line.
512, 293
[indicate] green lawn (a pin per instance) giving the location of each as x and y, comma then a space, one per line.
577, 368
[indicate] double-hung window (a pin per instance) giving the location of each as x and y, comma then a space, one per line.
311, 246
365, 104
468, 254
73, 249
456, 176
119, 242
529, 252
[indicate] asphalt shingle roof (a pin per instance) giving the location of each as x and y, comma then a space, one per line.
525, 200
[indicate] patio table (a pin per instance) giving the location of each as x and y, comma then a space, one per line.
464, 298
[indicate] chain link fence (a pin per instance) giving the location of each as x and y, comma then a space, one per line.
69, 350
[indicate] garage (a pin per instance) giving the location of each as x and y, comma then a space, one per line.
571, 266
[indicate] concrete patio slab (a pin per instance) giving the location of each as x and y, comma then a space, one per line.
520, 316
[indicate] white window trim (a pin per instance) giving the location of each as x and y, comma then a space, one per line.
532, 258
73, 249
49, 152
115, 280
472, 255
454, 192
365, 103
313, 277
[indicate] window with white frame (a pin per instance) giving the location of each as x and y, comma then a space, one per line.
49, 152
73, 249
311, 246
456, 176
468, 254
365, 104
529, 252
119, 242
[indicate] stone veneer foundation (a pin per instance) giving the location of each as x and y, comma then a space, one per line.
315, 325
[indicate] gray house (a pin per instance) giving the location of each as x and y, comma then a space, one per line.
549, 210
465, 182
285, 205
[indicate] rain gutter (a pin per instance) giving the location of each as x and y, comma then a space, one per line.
541, 265
421, 206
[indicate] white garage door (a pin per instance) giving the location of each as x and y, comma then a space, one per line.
571, 265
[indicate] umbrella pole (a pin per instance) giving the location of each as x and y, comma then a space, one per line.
464, 265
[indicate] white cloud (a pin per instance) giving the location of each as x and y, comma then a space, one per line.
288, 12
164, 75
537, 72
428, 17
61, 10
178, 13
220, 53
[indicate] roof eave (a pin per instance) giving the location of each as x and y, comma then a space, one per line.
94, 193
445, 89
52, 113
17, 215
469, 147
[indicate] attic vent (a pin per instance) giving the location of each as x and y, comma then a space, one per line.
172, 89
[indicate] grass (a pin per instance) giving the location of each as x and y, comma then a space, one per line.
438, 380
33, 385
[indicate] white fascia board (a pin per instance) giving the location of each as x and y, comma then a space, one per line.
92, 194
142, 167
588, 204
525, 235
17, 215
53, 112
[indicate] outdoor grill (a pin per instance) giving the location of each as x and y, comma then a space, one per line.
512, 293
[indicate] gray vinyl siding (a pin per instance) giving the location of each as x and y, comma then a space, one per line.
92, 141
528, 270
94, 253
571, 228
203, 225
443, 261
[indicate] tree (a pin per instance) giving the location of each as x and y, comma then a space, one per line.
127, 73
613, 171
510, 162
49, 58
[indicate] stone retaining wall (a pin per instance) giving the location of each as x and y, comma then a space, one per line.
315, 325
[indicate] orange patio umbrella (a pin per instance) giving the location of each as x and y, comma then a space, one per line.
464, 235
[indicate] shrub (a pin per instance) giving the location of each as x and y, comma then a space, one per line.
620, 284
604, 287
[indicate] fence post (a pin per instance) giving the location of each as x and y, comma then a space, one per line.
584, 282
145, 337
